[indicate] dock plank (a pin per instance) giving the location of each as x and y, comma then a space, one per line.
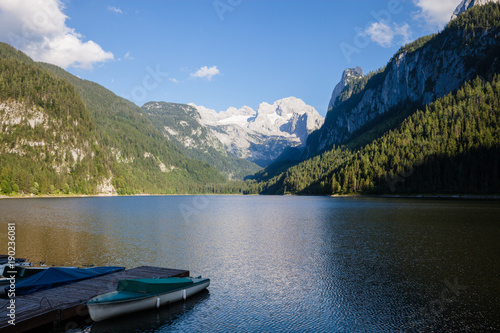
66, 302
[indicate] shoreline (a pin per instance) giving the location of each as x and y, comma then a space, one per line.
55, 196
423, 196
387, 196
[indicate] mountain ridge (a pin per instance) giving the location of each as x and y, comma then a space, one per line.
465, 5
348, 76
181, 124
452, 57
375, 156
122, 152
428, 120
262, 135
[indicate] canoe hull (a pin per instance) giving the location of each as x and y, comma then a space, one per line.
102, 311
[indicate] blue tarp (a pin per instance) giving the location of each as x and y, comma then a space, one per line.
60, 276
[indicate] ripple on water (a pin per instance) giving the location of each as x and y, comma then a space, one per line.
285, 264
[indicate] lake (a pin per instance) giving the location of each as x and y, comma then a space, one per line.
315, 264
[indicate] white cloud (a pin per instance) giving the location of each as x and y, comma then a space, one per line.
127, 56
173, 79
384, 35
435, 13
115, 9
206, 72
38, 28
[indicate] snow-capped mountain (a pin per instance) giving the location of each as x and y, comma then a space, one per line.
261, 136
181, 124
465, 5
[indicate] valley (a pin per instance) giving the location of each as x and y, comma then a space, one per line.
427, 121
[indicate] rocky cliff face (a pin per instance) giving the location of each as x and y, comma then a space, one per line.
261, 136
181, 124
349, 75
419, 73
465, 5
20, 120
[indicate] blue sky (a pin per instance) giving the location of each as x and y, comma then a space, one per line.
218, 53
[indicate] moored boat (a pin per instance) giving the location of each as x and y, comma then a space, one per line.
52, 277
24, 271
18, 271
4, 259
21, 272
135, 295
5, 263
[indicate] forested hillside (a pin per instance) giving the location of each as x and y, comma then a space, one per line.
181, 125
47, 141
420, 73
61, 134
449, 146
147, 163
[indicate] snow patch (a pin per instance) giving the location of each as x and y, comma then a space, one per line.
266, 132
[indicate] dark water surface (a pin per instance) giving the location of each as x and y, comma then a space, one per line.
299, 264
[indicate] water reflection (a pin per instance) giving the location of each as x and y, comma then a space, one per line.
287, 263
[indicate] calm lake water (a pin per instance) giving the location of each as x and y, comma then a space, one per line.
299, 264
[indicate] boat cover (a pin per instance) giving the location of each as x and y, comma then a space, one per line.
26, 271
153, 286
60, 276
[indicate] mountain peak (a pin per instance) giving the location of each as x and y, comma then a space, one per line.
465, 5
262, 135
286, 107
347, 76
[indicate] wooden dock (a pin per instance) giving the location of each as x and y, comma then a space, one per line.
67, 302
